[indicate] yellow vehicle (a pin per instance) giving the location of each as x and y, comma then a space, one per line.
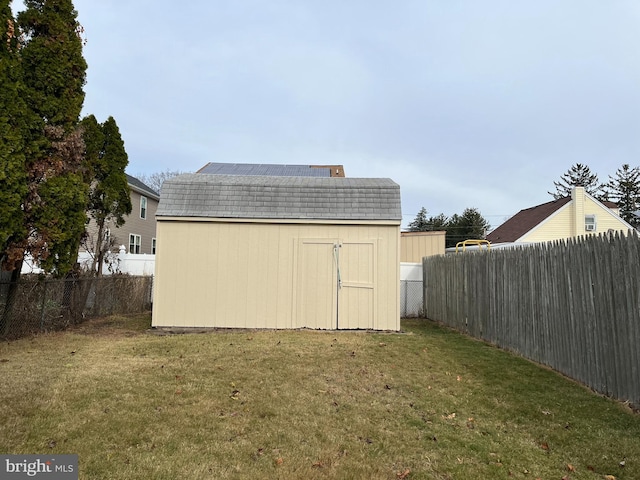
478, 243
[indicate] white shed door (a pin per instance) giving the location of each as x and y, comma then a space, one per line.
335, 284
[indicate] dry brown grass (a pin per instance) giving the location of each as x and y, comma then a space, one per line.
303, 404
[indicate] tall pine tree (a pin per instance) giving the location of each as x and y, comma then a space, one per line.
420, 223
578, 175
13, 185
439, 222
624, 189
54, 72
109, 196
470, 225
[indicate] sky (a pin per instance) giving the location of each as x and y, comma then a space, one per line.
464, 103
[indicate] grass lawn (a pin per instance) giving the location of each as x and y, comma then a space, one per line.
427, 403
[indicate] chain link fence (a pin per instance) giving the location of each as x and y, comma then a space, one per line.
39, 304
411, 295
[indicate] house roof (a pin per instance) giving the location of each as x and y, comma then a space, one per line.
525, 220
273, 169
272, 197
141, 187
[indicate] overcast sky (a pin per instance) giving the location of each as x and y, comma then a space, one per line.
464, 103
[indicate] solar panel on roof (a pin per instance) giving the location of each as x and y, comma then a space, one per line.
275, 170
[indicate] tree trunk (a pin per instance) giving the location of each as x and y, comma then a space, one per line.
98, 256
5, 321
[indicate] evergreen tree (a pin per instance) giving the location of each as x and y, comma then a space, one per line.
470, 225
13, 185
54, 73
54, 67
578, 175
439, 222
455, 233
420, 223
109, 196
475, 224
57, 216
624, 189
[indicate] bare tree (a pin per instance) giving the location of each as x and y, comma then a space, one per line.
155, 180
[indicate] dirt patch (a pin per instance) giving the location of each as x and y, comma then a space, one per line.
114, 325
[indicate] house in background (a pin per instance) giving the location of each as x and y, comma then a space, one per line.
138, 234
246, 251
276, 170
573, 216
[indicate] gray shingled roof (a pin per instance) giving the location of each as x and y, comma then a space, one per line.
264, 169
265, 197
141, 187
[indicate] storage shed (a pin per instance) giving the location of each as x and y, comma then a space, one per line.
278, 252
414, 246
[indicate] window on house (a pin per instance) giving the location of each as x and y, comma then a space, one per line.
134, 243
107, 235
153, 246
143, 207
590, 223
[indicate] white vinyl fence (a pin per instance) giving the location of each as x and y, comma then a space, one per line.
121, 262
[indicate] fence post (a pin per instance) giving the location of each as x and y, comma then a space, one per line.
42, 307
406, 297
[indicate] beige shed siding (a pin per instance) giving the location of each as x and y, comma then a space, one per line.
315, 301
357, 307
416, 245
276, 275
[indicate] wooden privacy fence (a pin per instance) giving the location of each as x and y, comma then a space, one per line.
39, 304
574, 305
